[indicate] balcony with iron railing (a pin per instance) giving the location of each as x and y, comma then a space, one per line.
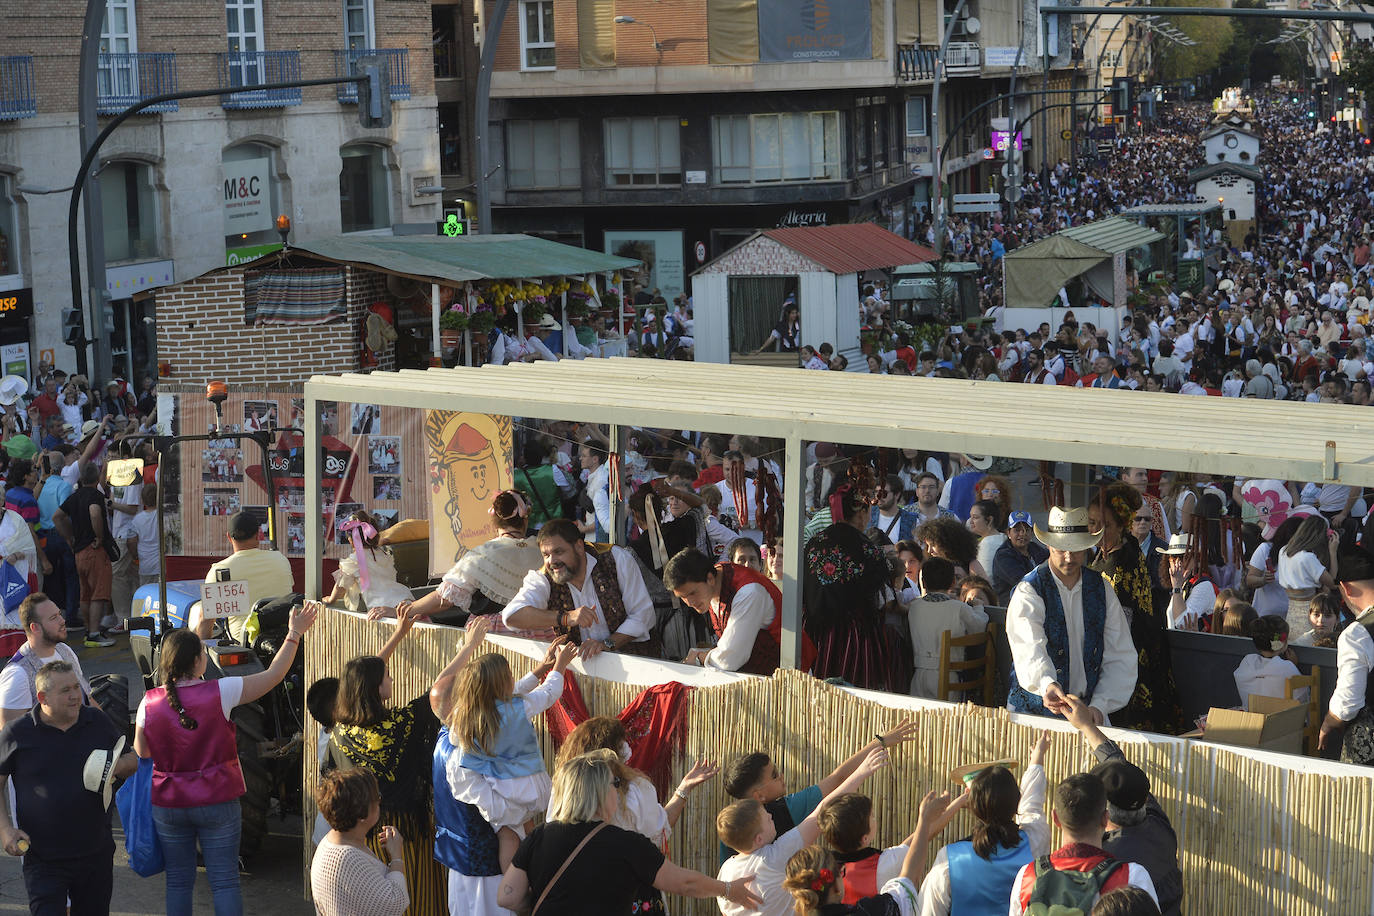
963, 58
127, 79
240, 71
448, 61
17, 98
398, 71
915, 63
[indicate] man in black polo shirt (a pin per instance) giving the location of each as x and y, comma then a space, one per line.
64, 830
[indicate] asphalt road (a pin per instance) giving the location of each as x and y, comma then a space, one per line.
272, 882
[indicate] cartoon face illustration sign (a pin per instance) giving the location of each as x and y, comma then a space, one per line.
469, 463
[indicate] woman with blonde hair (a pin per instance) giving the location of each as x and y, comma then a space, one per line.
640, 809
815, 878
578, 862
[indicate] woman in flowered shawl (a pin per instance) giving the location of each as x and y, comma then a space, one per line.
844, 594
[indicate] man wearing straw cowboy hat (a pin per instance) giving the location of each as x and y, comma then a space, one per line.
1067, 632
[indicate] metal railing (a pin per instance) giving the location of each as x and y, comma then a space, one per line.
247, 69
915, 63
448, 62
16, 88
398, 66
962, 57
126, 79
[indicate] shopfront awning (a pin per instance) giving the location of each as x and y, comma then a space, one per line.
452, 261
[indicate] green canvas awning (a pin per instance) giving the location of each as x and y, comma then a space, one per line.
1113, 236
477, 257
1035, 272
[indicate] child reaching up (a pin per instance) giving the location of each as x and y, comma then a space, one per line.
747, 828
498, 768
1264, 671
821, 884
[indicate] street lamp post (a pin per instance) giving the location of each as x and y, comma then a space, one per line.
937, 165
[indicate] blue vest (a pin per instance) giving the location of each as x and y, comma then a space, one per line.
463, 841
1094, 594
517, 748
979, 886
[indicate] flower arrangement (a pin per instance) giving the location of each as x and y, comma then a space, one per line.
454, 318
611, 299
483, 318
901, 327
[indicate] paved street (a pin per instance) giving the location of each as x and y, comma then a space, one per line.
271, 881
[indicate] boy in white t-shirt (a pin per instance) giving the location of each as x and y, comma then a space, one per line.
748, 829
142, 538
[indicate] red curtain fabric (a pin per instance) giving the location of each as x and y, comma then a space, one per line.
655, 722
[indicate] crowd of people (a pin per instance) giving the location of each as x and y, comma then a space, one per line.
444, 800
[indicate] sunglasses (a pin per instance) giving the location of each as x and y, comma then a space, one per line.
1143, 518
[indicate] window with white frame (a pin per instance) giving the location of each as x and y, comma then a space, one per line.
128, 203
364, 188
118, 76
790, 146
536, 35
543, 154
9, 228
1111, 58
243, 28
643, 151
358, 21
916, 116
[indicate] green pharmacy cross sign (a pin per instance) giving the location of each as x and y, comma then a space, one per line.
453, 226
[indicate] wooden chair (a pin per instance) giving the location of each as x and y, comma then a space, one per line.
950, 670
1313, 682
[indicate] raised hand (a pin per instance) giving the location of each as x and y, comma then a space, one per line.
905, 731
303, 616
564, 656
702, 771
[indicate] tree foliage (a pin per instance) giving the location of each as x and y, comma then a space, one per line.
1358, 70
1213, 36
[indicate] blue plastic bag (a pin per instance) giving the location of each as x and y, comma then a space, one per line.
14, 588
135, 802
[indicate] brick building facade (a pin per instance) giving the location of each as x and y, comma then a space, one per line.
198, 183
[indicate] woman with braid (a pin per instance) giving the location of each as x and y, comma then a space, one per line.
197, 780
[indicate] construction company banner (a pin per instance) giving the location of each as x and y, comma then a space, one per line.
469, 463
795, 31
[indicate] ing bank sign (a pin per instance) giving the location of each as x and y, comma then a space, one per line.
794, 31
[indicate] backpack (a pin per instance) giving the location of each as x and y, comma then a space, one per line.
1068, 893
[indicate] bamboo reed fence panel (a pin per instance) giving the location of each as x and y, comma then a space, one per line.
1255, 837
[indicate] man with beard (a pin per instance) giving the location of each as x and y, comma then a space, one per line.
597, 597
46, 629
1036, 373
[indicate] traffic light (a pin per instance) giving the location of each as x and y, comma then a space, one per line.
73, 328
1122, 90
374, 92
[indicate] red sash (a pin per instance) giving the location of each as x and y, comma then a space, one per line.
861, 878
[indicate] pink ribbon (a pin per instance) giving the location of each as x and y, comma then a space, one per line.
359, 529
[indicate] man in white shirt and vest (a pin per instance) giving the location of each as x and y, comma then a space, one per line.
1067, 631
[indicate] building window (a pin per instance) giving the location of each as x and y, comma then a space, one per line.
118, 76
128, 202
252, 196
9, 229
916, 116
536, 35
642, 151
543, 154
451, 138
793, 146
357, 15
243, 28
862, 139
364, 189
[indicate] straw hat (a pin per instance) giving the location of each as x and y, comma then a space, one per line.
89, 427
12, 388
969, 771
548, 323
1178, 545
979, 462
1226, 285
1067, 529
96, 774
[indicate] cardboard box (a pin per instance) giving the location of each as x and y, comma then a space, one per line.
1270, 724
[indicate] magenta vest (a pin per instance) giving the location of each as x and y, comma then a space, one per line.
191, 767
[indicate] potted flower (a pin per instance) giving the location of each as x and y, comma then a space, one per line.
453, 321
482, 319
